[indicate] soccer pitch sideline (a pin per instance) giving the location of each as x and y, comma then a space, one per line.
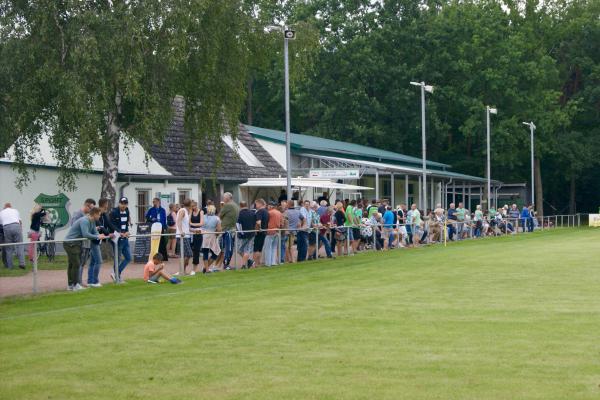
506, 318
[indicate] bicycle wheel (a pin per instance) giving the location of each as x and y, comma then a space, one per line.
51, 251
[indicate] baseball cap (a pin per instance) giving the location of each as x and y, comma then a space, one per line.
123, 200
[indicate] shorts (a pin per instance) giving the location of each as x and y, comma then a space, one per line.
402, 230
246, 245
387, 232
350, 233
259, 241
187, 247
154, 278
312, 238
355, 234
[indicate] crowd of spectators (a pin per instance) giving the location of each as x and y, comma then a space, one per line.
259, 234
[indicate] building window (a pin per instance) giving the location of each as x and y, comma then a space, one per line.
143, 204
184, 194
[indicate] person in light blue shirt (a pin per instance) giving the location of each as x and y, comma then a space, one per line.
389, 221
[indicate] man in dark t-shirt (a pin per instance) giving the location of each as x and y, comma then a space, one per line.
451, 221
262, 222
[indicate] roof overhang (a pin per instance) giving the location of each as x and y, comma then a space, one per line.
301, 183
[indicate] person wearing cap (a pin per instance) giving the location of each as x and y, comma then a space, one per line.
121, 220
272, 238
262, 223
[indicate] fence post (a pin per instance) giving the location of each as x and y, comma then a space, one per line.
181, 254
578, 220
235, 249
317, 244
35, 269
348, 239
116, 258
278, 248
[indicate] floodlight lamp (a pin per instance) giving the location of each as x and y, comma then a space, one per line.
493, 110
429, 88
272, 28
289, 34
416, 83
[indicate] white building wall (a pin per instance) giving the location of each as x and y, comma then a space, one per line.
88, 185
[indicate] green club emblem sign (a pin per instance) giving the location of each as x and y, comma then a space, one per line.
56, 207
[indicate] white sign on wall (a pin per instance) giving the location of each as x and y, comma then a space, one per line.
335, 173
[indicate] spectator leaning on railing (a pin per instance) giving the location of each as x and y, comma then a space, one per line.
13, 233
83, 228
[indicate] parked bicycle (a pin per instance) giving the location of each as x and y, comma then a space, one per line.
49, 249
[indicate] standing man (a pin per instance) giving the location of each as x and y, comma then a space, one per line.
229, 216
272, 238
83, 228
104, 227
158, 214
13, 233
303, 224
121, 220
451, 221
183, 231
293, 221
460, 220
246, 223
389, 221
88, 204
262, 223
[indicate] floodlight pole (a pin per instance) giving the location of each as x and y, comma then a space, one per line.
288, 156
532, 127
424, 88
424, 148
488, 109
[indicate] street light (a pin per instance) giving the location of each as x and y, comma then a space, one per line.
288, 35
429, 89
489, 110
531, 126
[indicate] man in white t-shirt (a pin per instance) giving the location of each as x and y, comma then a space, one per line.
13, 233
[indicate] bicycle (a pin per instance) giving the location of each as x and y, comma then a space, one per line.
49, 249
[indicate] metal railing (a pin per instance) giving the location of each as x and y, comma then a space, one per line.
428, 231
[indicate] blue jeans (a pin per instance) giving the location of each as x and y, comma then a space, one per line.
95, 263
302, 238
323, 239
284, 239
227, 248
124, 252
270, 250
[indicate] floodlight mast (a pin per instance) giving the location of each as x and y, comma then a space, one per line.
489, 110
532, 127
429, 89
288, 35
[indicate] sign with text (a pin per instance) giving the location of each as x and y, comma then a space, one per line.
56, 208
335, 173
595, 220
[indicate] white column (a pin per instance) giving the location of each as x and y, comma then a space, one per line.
393, 197
377, 184
406, 189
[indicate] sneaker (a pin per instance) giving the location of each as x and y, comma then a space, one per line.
151, 281
121, 282
176, 274
228, 268
113, 277
78, 287
69, 288
94, 285
192, 273
214, 270
175, 281
250, 263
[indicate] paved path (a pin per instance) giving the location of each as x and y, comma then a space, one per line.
53, 280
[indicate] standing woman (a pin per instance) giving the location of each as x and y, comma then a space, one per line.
196, 223
339, 237
171, 228
210, 243
37, 214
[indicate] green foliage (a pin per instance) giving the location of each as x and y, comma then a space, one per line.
534, 61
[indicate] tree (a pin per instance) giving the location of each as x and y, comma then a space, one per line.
93, 75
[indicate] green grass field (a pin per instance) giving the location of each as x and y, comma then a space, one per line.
506, 318
59, 262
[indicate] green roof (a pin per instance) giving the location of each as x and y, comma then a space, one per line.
335, 147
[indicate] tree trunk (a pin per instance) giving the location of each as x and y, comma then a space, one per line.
572, 204
249, 110
110, 161
539, 192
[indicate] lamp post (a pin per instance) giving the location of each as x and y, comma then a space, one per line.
531, 126
288, 35
489, 110
429, 89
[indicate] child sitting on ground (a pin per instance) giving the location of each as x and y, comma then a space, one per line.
154, 270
